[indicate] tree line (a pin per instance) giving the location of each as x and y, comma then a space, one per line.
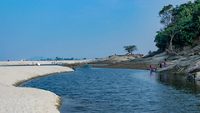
181, 26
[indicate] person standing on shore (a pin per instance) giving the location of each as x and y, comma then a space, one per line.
161, 65
151, 68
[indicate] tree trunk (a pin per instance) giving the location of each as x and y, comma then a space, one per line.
171, 43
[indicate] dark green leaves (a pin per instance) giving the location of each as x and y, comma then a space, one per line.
182, 22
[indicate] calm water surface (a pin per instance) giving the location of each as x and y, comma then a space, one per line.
93, 90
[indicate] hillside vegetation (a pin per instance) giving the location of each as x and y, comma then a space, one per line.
181, 27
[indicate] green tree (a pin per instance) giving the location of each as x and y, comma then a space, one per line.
172, 32
181, 26
166, 15
130, 48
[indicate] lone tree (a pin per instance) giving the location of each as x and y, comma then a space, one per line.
130, 48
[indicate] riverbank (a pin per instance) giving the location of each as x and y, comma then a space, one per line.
27, 100
136, 63
186, 62
125, 65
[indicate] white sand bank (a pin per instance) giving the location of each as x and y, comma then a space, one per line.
5, 63
26, 100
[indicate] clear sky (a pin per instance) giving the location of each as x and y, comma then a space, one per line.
77, 28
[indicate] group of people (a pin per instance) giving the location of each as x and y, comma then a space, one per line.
161, 65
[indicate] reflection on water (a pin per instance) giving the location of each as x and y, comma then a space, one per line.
93, 90
179, 82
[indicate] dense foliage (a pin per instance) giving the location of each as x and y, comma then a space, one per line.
181, 26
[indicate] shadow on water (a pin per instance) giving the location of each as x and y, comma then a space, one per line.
179, 82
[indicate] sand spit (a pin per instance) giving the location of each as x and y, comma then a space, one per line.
27, 100
22, 63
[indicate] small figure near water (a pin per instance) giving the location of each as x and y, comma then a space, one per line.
163, 64
160, 65
152, 68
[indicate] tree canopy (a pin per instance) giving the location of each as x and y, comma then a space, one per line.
130, 48
181, 26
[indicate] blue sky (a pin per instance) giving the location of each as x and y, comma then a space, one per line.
77, 28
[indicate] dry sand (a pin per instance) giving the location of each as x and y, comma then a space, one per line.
6, 63
27, 100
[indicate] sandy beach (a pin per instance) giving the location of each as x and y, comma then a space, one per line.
24, 63
27, 100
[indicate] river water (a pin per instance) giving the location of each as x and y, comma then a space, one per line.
101, 90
